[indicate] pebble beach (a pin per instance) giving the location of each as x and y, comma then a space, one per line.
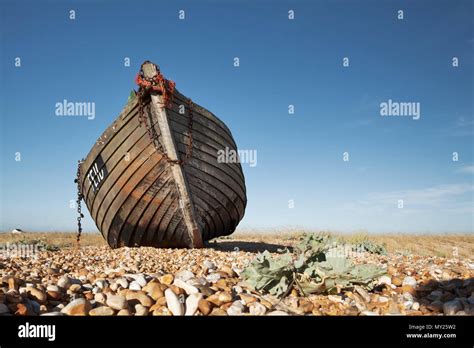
100, 281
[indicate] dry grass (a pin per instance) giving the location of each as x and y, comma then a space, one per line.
435, 245
415, 244
59, 239
425, 245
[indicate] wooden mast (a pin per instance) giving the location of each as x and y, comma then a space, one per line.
158, 112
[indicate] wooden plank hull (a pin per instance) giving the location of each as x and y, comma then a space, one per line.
138, 198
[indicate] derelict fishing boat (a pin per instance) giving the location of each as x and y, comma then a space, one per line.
153, 177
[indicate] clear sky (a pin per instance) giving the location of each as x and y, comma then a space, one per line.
282, 62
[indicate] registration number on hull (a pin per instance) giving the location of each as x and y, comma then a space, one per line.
97, 173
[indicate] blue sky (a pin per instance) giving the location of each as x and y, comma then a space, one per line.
282, 62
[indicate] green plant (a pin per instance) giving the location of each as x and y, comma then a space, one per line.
131, 95
371, 247
41, 244
310, 268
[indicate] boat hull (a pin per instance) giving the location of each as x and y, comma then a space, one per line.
137, 197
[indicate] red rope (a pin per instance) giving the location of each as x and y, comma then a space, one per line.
159, 84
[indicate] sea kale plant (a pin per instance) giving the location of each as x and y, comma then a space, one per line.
371, 247
312, 267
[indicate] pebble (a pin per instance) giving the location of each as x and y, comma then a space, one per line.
4, 309
139, 296
21, 309
229, 271
393, 308
335, 298
218, 312
74, 288
173, 303
410, 281
396, 281
192, 303
452, 307
222, 284
13, 283
135, 286
209, 264
154, 291
257, 308
59, 307
408, 304
238, 289
446, 276
53, 314
407, 296
33, 305
122, 282
54, 295
246, 298
141, 310
204, 306
64, 282
177, 290
362, 292
220, 298
408, 289
140, 279
197, 282
435, 295
101, 284
162, 311
87, 286
80, 306
161, 301
37, 294
102, 311
237, 308
167, 279
53, 288
278, 312
213, 277
305, 305
117, 302
435, 306
100, 298
185, 286
385, 280
184, 275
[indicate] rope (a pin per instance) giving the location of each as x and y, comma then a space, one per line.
166, 88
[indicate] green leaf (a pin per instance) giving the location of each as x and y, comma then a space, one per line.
316, 268
131, 95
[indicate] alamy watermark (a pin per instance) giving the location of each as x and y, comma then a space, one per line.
227, 155
67, 108
22, 250
345, 251
409, 109
28, 330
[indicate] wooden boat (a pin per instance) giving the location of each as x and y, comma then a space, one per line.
153, 177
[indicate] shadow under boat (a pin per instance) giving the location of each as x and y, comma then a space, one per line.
246, 246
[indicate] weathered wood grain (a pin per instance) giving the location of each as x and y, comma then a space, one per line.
145, 200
